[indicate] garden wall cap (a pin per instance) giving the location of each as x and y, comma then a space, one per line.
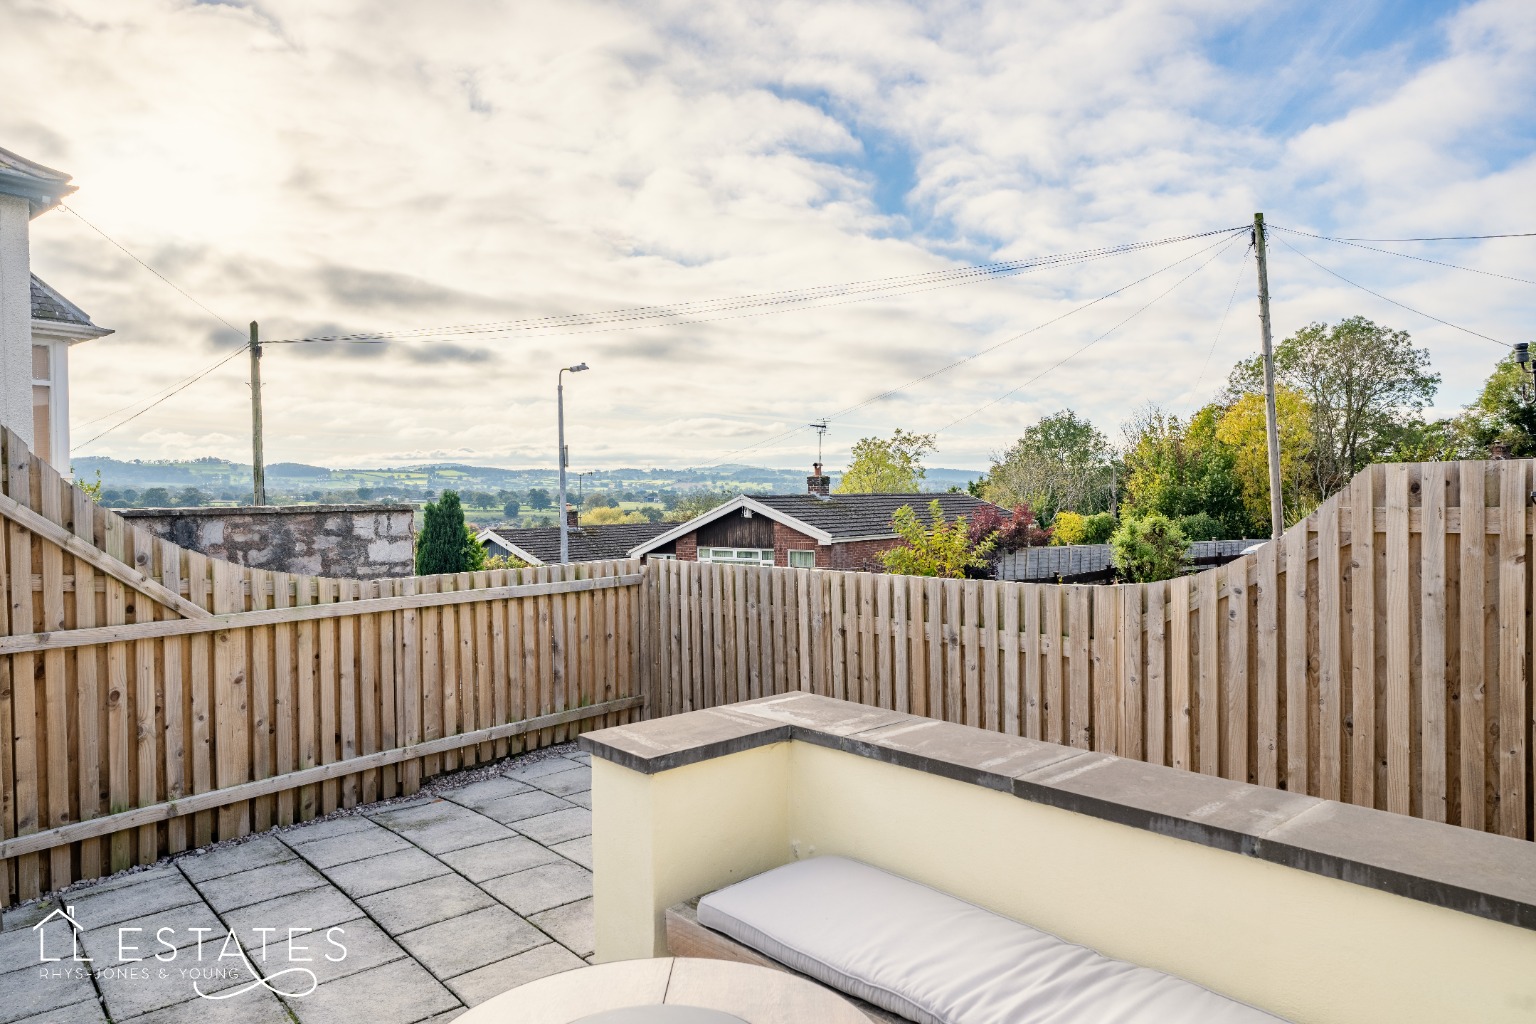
1449, 866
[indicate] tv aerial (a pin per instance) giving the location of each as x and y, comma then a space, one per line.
820, 426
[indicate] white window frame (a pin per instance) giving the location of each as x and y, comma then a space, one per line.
736, 556
802, 551
665, 556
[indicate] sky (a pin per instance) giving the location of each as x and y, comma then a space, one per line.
333, 167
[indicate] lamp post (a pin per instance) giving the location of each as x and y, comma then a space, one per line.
1528, 370
565, 530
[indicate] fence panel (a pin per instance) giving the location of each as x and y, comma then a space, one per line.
1378, 652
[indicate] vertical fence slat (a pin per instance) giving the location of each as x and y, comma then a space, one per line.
1514, 502
1432, 764
1208, 688
1297, 750
1399, 641
1362, 668
1330, 668
1266, 664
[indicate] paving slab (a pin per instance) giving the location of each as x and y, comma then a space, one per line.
391, 871
542, 888
244, 888
112, 902
561, 783
350, 846
583, 799
444, 1018
158, 934
134, 989
316, 909
530, 770
255, 853
477, 986
258, 1006
89, 1012
465, 943
423, 903
401, 992
572, 925
27, 914
578, 850
363, 946
314, 831
550, 829
21, 946
24, 994
512, 809
477, 794
502, 857
443, 826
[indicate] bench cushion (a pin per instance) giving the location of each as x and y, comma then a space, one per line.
936, 959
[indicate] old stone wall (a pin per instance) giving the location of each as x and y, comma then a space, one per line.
347, 541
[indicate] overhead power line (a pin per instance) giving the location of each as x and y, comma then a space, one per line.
180, 290
1242, 265
1400, 305
1444, 238
1404, 255
1228, 234
679, 314
175, 391
1084, 348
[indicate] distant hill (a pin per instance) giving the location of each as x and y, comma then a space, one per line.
216, 476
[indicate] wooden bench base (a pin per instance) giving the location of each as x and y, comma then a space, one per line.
686, 937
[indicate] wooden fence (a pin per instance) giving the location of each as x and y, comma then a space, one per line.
1379, 653
153, 699
1053, 564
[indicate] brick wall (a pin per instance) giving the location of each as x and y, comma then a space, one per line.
688, 548
346, 541
861, 555
786, 540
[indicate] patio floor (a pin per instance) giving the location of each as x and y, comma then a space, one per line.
441, 902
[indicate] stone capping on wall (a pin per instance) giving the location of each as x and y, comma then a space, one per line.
1461, 869
371, 508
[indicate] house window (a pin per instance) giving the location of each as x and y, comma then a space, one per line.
802, 558
662, 555
42, 404
737, 556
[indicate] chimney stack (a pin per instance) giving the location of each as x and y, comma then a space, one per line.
570, 516
816, 483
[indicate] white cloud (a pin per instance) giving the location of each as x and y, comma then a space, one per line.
332, 167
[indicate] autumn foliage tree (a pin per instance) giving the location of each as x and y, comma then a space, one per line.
937, 548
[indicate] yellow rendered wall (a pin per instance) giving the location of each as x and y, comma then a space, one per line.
1306, 947
661, 839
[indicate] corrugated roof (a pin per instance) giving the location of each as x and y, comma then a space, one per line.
587, 543
48, 304
864, 515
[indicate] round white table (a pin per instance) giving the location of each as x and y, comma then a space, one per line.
754, 995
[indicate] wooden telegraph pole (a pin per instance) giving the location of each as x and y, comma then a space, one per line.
258, 468
1271, 424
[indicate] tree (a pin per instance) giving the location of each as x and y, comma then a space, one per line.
1201, 527
1243, 430
599, 499
1016, 530
538, 499
191, 497
1360, 381
1149, 548
1060, 462
1068, 528
1501, 414
1098, 528
511, 508
891, 465
696, 503
155, 497
938, 549
610, 516
1180, 468
445, 544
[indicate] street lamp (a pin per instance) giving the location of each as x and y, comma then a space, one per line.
1528, 369
565, 530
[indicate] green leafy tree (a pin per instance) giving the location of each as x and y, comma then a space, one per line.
1068, 528
1149, 548
1360, 381
696, 503
939, 548
1201, 527
887, 465
1098, 528
446, 543
1243, 430
1062, 462
93, 489
538, 499
1501, 414
1180, 467
155, 497
511, 508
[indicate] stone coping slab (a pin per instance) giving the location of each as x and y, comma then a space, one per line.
1449, 866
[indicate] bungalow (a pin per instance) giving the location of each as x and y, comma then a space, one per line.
815, 530
540, 545
37, 324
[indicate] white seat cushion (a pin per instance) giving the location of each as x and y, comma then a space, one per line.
936, 959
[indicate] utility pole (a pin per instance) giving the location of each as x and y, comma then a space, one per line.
1271, 424
258, 467
565, 530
